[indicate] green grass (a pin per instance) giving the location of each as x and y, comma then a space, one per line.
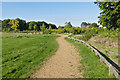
90, 63
24, 54
103, 48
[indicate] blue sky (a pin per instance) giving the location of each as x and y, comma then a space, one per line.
52, 12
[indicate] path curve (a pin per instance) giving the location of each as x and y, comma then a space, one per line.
64, 64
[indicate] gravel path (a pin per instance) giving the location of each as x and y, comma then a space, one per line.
64, 64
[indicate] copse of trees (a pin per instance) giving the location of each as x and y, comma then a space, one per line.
23, 25
85, 24
94, 25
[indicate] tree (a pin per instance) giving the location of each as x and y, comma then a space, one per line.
94, 25
72, 30
42, 28
6, 25
60, 27
30, 26
22, 24
53, 26
36, 27
110, 14
68, 25
83, 24
50, 27
14, 25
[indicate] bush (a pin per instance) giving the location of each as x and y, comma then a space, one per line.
47, 31
87, 33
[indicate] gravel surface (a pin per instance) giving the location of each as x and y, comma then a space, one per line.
64, 64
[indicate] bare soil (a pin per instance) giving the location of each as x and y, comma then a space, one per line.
64, 64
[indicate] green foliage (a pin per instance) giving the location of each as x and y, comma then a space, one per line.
60, 30
50, 27
36, 28
25, 31
94, 25
22, 24
84, 24
113, 33
87, 33
42, 27
31, 26
68, 25
15, 24
77, 30
53, 26
60, 27
110, 14
6, 27
47, 31
118, 23
71, 30
21, 60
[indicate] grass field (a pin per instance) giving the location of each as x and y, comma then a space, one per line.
24, 54
90, 63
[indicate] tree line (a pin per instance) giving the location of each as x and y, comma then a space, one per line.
23, 25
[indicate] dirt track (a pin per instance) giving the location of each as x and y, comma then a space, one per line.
64, 64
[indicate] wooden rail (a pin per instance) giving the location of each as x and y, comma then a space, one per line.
113, 67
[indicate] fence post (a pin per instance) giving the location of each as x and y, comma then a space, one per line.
92, 50
89, 47
96, 53
101, 60
110, 70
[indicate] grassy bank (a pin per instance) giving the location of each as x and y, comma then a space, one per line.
109, 51
90, 63
108, 46
24, 54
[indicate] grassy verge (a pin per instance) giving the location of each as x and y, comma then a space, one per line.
90, 63
106, 50
24, 54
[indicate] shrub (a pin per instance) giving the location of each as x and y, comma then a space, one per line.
47, 31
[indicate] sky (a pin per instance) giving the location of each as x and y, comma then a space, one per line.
52, 12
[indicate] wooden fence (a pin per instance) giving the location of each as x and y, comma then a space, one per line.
113, 67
